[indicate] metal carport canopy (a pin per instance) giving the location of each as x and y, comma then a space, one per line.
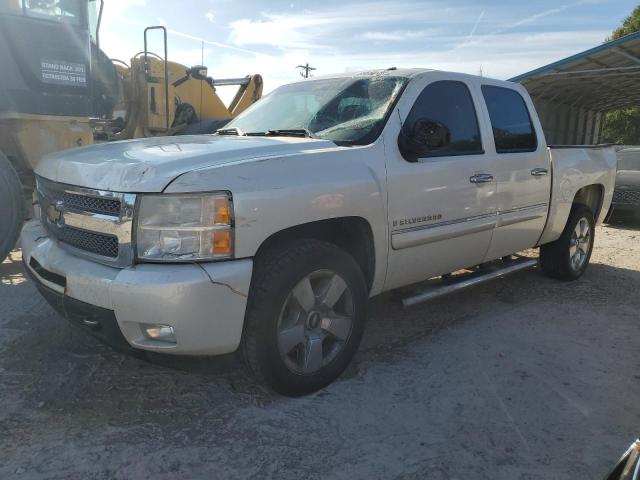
572, 94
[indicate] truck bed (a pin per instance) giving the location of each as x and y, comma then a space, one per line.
573, 166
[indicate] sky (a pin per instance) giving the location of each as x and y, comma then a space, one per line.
496, 38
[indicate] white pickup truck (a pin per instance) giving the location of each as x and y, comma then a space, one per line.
271, 235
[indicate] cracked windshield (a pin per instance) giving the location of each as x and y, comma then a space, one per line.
350, 111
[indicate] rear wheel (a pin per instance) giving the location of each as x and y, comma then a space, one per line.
11, 207
568, 257
305, 317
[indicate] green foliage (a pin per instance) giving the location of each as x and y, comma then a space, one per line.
630, 25
623, 126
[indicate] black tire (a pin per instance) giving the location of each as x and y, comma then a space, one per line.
276, 274
609, 217
556, 258
11, 207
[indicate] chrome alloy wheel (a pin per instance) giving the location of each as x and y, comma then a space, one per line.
315, 322
580, 244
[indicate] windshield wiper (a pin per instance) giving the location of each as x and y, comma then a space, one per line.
230, 131
291, 132
284, 132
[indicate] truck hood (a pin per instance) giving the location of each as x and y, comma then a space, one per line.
150, 164
628, 179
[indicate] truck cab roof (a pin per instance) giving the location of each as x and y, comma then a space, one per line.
409, 73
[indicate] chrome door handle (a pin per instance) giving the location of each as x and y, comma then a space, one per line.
481, 178
539, 172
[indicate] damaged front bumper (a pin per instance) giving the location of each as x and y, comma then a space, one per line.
203, 303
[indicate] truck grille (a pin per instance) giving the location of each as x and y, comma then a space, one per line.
83, 203
626, 197
91, 223
100, 244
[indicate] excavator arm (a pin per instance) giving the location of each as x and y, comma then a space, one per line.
247, 94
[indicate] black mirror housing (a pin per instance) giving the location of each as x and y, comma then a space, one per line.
422, 138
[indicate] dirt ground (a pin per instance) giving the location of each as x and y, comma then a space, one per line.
520, 378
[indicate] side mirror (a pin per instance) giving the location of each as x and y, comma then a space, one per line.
422, 137
199, 72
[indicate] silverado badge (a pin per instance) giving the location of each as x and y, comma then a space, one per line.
401, 222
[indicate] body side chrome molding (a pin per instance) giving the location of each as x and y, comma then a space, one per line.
522, 214
445, 223
422, 234
441, 231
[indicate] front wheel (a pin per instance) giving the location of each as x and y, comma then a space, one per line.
305, 317
568, 257
11, 207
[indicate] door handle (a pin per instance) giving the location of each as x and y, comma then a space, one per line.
539, 172
481, 178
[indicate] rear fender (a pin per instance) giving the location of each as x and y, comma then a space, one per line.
580, 175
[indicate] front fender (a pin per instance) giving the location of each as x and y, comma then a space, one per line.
273, 194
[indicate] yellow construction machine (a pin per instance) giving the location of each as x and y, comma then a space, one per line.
60, 90
159, 97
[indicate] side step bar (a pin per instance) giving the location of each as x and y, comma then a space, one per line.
434, 291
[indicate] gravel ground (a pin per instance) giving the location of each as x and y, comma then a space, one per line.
520, 378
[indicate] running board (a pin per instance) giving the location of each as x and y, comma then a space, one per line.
438, 290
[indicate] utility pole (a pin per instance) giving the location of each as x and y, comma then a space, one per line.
305, 70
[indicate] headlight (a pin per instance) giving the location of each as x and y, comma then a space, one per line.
174, 228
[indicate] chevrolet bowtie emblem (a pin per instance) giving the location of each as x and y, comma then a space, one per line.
55, 214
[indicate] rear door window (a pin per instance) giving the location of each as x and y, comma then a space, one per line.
450, 103
512, 126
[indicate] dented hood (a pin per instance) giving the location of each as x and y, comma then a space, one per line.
150, 164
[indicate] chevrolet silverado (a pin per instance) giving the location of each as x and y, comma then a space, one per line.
269, 236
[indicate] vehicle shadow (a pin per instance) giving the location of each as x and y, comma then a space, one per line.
86, 393
622, 221
600, 285
71, 372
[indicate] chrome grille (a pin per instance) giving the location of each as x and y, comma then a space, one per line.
105, 206
626, 197
90, 223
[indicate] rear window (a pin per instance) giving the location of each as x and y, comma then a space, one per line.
512, 126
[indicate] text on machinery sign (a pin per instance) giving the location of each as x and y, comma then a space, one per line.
63, 73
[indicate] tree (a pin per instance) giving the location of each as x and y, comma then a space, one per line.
623, 126
630, 25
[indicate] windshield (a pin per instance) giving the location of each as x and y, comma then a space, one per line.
344, 110
67, 11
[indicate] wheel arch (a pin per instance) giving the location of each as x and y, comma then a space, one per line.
562, 203
353, 234
592, 196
